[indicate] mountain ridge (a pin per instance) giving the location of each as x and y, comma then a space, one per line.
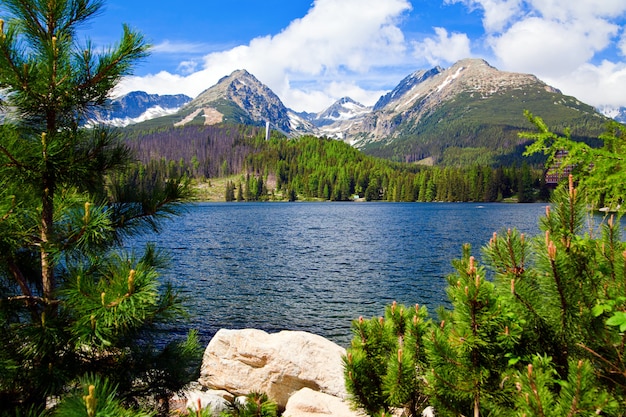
138, 106
468, 105
422, 91
239, 97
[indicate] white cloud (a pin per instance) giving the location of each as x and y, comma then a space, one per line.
187, 67
622, 44
565, 10
560, 41
498, 14
169, 47
445, 48
597, 85
334, 39
550, 48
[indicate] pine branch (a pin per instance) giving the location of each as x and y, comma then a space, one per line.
14, 162
33, 298
114, 66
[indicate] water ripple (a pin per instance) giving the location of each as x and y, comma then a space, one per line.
318, 266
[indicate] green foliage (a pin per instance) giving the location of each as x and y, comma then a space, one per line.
255, 405
96, 397
71, 301
541, 393
467, 351
600, 170
384, 363
332, 170
543, 336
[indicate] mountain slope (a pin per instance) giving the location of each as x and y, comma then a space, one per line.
468, 113
406, 85
238, 98
469, 105
138, 106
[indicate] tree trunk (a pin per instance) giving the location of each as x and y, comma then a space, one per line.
47, 224
476, 406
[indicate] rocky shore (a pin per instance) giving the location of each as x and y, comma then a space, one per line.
300, 371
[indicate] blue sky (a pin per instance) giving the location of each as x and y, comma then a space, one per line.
312, 53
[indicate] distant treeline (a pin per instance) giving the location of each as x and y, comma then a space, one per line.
197, 151
320, 168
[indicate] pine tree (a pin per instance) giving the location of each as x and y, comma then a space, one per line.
70, 300
229, 193
566, 287
467, 351
543, 337
386, 360
96, 397
599, 170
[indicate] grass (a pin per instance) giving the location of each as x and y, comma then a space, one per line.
213, 189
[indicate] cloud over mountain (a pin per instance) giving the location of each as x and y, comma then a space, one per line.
561, 41
332, 42
362, 48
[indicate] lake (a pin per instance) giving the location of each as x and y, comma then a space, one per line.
317, 266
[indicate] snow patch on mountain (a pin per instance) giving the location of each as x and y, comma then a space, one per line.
136, 107
449, 79
615, 113
342, 110
149, 114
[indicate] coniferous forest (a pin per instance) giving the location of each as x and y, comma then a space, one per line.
320, 168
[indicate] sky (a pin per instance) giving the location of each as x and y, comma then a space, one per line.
314, 52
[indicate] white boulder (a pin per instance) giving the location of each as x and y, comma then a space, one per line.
277, 364
216, 401
309, 403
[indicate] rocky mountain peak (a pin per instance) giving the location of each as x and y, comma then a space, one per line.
476, 75
343, 109
473, 76
406, 85
231, 87
243, 98
137, 106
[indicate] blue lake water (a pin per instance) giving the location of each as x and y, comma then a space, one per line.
318, 266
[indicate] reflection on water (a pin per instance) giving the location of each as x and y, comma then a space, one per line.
318, 266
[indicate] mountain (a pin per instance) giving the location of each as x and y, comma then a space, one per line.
241, 98
343, 109
468, 113
616, 113
339, 118
470, 107
137, 107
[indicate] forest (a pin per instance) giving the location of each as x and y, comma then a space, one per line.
320, 168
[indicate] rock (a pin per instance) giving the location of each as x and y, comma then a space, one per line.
216, 401
309, 403
428, 412
278, 364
